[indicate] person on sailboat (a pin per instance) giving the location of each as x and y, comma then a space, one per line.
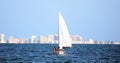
54, 49
60, 50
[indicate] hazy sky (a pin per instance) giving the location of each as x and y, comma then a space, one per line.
96, 19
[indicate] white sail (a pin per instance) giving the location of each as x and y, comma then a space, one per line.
64, 37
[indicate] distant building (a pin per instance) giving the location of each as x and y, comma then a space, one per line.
43, 39
76, 39
117, 43
91, 41
17, 40
33, 39
50, 38
2, 38
22, 40
11, 39
56, 39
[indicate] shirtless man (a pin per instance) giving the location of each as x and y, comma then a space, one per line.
54, 50
60, 49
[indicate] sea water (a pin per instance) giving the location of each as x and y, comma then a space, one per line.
43, 53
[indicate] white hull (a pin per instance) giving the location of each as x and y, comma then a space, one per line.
61, 52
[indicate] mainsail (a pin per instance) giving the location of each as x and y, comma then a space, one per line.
64, 37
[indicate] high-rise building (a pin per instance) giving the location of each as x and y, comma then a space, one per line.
43, 39
56, 38
51, 38
76, 39
33, 39
2, 38
11, 39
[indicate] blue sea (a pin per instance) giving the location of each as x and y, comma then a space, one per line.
43, 53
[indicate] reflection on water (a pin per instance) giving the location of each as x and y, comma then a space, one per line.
42, 53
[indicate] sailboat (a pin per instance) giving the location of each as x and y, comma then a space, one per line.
63, 33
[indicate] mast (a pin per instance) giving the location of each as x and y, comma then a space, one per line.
58, 29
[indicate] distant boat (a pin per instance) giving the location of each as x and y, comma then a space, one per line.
63, 33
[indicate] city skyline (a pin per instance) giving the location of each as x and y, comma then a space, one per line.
51, 39
98, 20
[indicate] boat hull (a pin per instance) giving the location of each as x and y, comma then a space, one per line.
61, 52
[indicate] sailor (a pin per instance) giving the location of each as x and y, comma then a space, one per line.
60, 49
54, 49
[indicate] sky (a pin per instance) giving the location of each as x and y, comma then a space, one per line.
95, 19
